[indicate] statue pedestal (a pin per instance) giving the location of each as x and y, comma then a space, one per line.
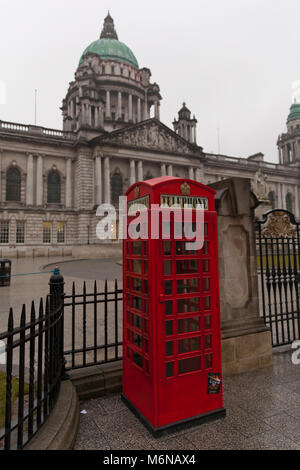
246, 341
264, 206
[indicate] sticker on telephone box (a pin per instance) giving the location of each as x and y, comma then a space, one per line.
214, 383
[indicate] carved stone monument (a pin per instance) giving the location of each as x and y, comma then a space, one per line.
246, 341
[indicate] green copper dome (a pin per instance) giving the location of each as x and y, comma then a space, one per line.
111, 49
109, 46
294, 112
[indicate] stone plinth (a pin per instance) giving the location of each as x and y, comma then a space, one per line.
246, 341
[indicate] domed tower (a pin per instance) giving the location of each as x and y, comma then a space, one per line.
110, 91
289, 143
185, 126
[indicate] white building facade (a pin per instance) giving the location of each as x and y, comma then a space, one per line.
52, 181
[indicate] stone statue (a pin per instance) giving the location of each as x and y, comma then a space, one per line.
260, 186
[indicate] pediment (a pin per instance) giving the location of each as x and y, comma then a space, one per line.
151, 135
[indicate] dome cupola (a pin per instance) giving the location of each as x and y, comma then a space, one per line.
108, 46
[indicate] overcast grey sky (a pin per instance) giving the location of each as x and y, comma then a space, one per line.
232, 61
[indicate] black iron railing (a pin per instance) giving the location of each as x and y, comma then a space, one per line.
33, 369
278, 249
93, 327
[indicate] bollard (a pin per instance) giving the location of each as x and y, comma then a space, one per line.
56, 289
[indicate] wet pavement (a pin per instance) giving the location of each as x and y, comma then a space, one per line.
263, 412
25, 289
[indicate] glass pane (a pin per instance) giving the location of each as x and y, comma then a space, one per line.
188, 325
186, 286
206, 229
207, 341
137, 340
169, 307
208, 361
168, 287
128, 353
169, 348
189, 365
181, 249
146, 326
146, 268
137, 303
206, 284
169, 369
137, 321
207, 322
146, 306
168, 268
145, 287
205, 248
145, 248
136, 248
147, 366
169, 328
188, 345
167, 248
188, 305
205, 265
137, 358
206, 303
187, 266
136, 284
137, 266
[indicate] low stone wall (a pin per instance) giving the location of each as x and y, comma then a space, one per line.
60, 430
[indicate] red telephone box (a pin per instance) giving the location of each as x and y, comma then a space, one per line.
171, 314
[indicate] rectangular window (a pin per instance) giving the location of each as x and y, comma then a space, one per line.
47, 232
137, 266
137, 359
187, 286
188, 345
187, 266
188, 325
169, 369
20, 232
136, 248
60, 232
188, 305
4, 232
189, 365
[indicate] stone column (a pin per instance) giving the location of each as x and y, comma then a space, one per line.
108, 110
39, 181
140, 171
29, 181
130, 117
246, 341
98, 180
283, 203
199, 175
119, 113
132, 172
297, 196
69, 183
170, 170
107, 180
191, 173
163, 169
156, 111
139, 116
145, 110
96, 116
101, 117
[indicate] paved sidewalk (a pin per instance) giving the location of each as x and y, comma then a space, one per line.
263, 412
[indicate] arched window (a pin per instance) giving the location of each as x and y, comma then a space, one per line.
116, 186
54, 187
13, 184
289, 202
271, 197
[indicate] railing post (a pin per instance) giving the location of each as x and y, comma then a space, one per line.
56, 287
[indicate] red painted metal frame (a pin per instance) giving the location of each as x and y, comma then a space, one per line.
160, 400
